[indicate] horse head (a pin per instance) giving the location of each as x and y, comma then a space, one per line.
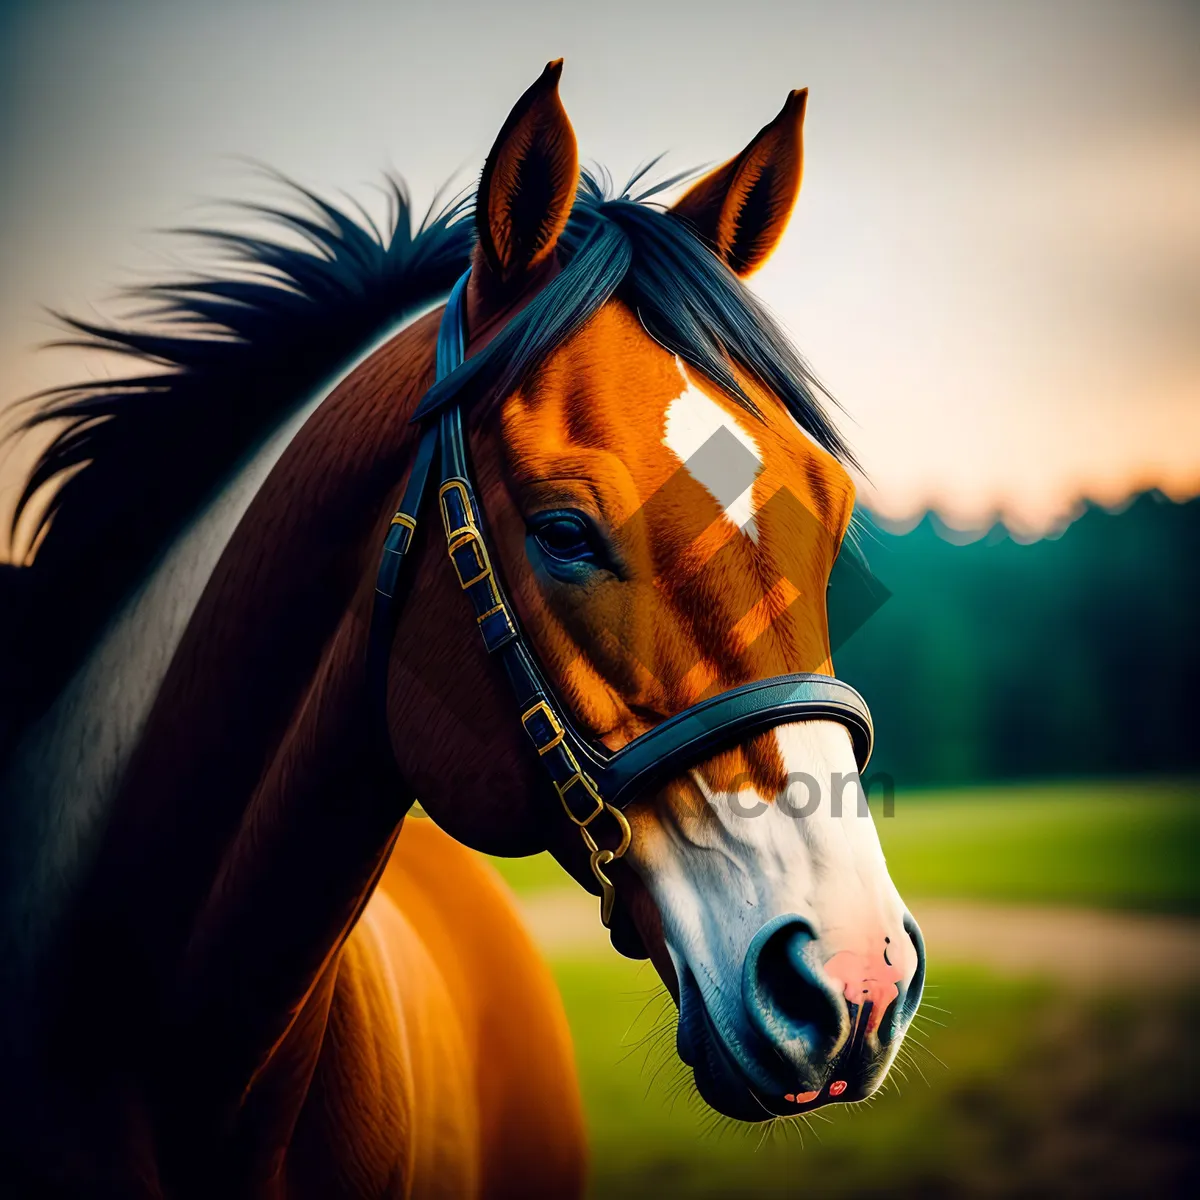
664, 500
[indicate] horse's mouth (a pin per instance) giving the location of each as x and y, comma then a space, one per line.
736, 1089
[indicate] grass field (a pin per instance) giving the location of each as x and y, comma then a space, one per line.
1012, 1087
1110, 844
1116, 844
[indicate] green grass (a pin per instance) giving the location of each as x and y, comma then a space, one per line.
1112, 844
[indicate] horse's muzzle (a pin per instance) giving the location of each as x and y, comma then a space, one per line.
800, 1041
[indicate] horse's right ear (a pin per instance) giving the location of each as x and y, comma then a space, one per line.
741, 209
528, 182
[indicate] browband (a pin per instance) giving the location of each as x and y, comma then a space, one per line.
588, 779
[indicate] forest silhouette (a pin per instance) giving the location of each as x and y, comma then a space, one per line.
1073, 655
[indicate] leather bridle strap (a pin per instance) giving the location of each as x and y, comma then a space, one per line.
396, 545
589, 780
403, 528
692, 735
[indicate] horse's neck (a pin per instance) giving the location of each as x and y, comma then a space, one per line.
58, 785
142, 773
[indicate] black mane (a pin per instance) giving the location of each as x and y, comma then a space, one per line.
230, 354
223, 358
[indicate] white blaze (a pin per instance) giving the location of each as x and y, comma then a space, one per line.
693, 417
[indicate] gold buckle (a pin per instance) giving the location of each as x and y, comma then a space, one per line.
470, 536
542, 707
578, 777
455, 485
409, 523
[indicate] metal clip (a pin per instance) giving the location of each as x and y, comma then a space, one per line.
608, 893
601, 857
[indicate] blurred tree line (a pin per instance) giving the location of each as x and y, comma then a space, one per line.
993, 660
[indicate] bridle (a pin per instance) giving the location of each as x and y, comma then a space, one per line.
588, 779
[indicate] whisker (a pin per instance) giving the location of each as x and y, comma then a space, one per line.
928, 1021
809, 1120
916, 1066
762, 1137
919, 1044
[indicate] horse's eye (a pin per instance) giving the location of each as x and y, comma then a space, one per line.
566, 545
565, 537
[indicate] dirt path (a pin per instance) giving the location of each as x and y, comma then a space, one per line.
1079, 947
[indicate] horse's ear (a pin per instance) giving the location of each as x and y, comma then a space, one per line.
528, 182
741, 209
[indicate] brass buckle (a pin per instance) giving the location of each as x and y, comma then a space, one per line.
551, 718
578, 777
456, 485
469, 536
409, 523
491, 612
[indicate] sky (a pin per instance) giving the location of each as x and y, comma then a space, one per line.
994, 264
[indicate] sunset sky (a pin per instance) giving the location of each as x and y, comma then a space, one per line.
994, 264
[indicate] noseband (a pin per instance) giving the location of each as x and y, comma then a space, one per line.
588, 779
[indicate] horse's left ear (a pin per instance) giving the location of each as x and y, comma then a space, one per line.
741, 209
529, 181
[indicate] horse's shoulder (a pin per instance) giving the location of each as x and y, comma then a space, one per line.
503, 999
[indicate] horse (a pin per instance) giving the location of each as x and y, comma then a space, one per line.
235, 965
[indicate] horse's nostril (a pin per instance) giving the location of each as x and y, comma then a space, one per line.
916, 985
785, 998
